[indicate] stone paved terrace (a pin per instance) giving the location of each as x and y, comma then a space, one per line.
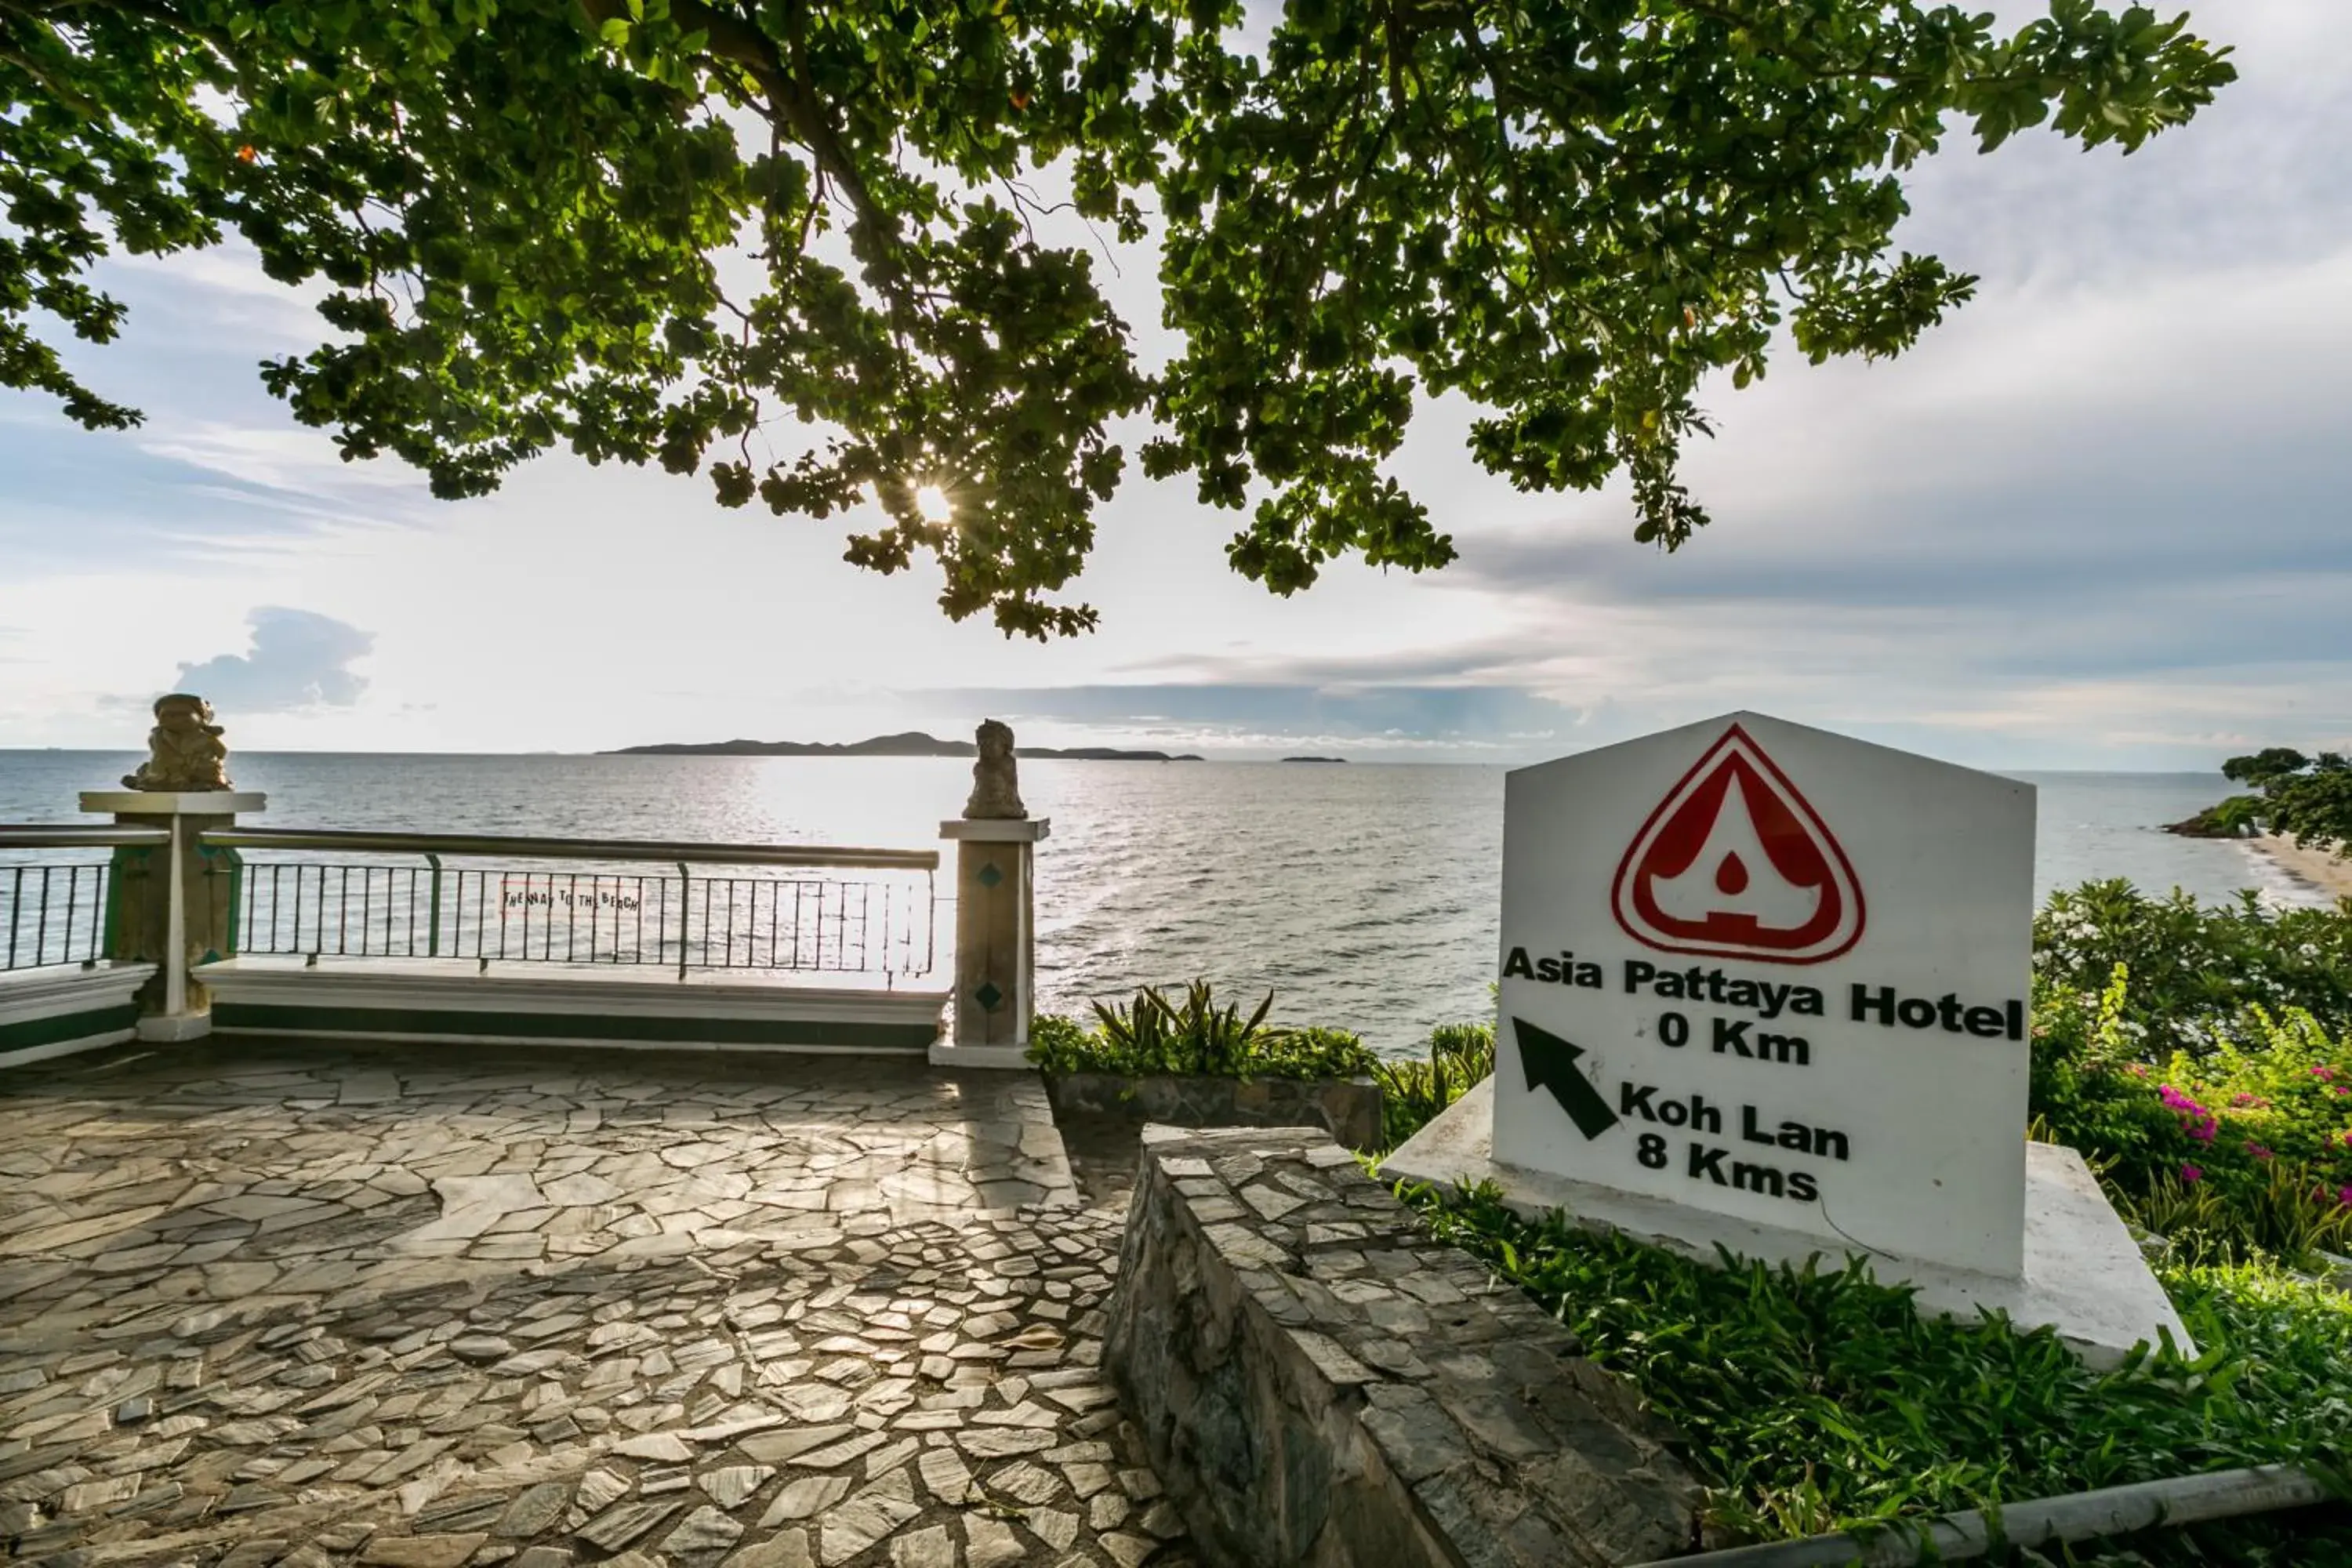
262, 1304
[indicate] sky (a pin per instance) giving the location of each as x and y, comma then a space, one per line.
2097, 520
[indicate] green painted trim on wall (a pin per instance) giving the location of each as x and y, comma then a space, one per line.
230, 1016
48, 1031
214, 859
118, 869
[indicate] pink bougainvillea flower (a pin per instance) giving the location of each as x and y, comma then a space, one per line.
2190, 1175
2195, 1120
2323, 1073
2258, 1152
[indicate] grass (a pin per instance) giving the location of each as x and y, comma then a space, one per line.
1818, 1400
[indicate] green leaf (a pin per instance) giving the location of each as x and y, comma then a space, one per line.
795, 245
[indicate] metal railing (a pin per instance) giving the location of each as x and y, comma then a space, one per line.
774, 909
53, 905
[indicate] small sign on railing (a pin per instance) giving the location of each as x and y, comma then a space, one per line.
566, 916
534, 890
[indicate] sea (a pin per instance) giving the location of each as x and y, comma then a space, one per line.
1362, 896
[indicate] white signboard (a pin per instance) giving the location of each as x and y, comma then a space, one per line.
1772, 973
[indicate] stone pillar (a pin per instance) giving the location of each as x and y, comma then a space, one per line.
996, 939
176, 905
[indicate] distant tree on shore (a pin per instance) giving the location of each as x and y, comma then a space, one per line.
2308, 799
659, 230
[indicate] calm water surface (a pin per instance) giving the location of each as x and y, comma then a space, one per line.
1362, 895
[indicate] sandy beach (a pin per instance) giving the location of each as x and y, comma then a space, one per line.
2316, 866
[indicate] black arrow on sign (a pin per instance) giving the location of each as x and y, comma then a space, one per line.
1550, 1062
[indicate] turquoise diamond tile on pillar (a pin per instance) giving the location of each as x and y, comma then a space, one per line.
988, 995
988, 876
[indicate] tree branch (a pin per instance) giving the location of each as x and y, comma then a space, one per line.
783, 77
784, 82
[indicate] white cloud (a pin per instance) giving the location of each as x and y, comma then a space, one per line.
2094, 519
299, 659
286, 457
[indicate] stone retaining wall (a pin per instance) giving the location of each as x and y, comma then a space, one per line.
1318, 1382
1347, 1109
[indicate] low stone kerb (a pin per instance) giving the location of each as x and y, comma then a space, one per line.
1319, 1383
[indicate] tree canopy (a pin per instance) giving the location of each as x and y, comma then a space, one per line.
2308, 799
795, 248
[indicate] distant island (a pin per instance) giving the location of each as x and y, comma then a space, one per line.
1314, 759
912, 743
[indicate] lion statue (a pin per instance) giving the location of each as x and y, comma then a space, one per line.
184, 750
995, 791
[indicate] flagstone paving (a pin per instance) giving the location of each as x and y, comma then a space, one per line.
266, 1304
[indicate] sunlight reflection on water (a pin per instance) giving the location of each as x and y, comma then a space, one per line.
1364, 895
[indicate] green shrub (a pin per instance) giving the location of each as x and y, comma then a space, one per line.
1060, 1044
2279, 1211
2194, 968
1816, 1399
1413, 1093
2244, 1146
1311, 1053
1197, 1038
1193, 1038
2307, 799
2089, 1086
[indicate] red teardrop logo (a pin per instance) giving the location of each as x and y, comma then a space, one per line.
1735, 863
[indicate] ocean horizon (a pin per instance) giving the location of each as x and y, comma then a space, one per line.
1364, 895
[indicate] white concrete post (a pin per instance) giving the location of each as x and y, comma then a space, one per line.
178, 921
996, 940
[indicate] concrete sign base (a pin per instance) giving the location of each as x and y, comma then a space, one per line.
2084, 1275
